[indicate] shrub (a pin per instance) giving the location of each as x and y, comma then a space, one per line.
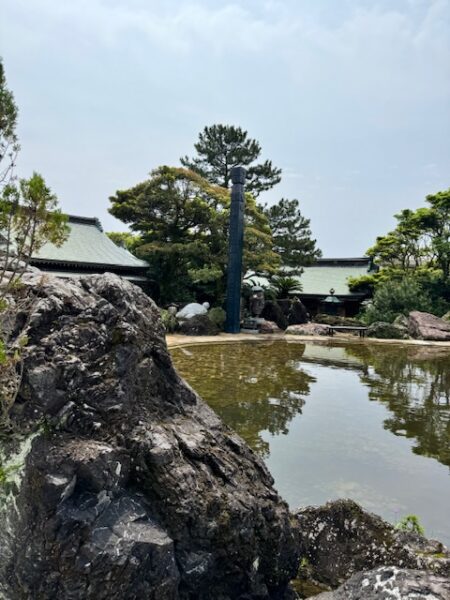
393, 298
410, 524
218, 316
169, 321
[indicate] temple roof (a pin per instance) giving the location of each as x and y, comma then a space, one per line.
326, 273
88, 245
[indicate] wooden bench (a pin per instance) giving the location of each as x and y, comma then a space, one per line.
347, 329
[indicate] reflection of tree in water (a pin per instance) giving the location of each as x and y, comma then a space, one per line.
253, 387
414, 382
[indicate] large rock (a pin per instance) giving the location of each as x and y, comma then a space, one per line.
425, 326
390, 583
308, 329
198, 325
386, 331
120, 483
339, 539
274, 313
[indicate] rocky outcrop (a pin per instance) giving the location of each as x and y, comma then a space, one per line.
198, 325
308, 329
274, 313
389, 583
297, 314
339, 539
424, 326
386, 331
120, 482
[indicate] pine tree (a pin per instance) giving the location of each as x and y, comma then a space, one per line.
291, 234
221, 147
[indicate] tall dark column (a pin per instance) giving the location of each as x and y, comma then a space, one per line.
235, 245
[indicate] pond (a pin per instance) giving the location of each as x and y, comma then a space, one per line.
366, 421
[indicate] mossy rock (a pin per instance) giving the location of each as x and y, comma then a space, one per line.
386, 331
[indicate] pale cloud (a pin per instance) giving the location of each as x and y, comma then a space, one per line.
338, 91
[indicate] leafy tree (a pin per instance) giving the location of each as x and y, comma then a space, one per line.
9, 145
221, 147
182, 220
125, 239
415, 255
291, 234
28, 219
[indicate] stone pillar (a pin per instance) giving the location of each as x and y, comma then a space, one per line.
235, 245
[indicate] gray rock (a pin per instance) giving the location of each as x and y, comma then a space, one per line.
425, 326
391, 583
382, 330
134, 488
199, 325
339, 539
307, 329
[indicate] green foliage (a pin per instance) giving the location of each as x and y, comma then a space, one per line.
283, 285
415, 257
182, 221
218, 316
410, 524
125, 239
169, 321
9, 144
221, 147
395, 297
291, 234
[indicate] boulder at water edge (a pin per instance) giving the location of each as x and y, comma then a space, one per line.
120, 483
339, 539
425, 326
391, 583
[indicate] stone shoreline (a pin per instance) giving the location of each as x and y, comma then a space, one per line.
177, 340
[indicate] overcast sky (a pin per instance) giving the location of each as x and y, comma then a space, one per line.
351, 98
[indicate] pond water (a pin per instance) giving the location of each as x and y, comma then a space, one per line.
364, 421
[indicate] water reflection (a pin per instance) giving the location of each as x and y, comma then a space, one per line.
369, 422
253, 387
414, 382
261, 387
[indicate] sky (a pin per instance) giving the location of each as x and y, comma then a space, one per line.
351, 98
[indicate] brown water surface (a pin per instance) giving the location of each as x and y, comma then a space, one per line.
370, 422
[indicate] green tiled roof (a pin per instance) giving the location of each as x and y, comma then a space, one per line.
319, 279
88, 244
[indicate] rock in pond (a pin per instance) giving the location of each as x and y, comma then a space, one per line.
425, 326
126, 485
339, 539
391, 583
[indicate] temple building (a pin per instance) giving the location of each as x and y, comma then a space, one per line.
89, 250
325, 285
